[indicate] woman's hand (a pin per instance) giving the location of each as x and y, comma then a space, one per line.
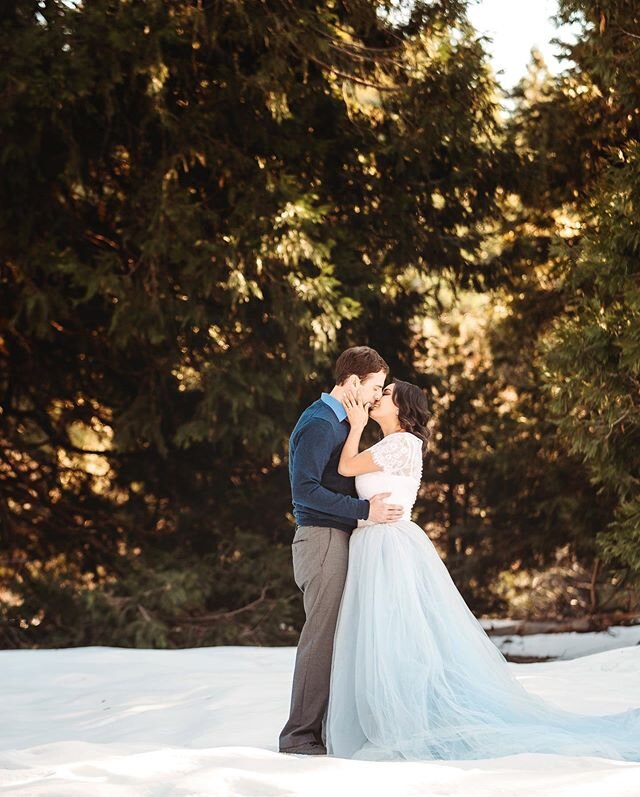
357, 412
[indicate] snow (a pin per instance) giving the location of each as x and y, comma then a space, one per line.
565, 645
98, 722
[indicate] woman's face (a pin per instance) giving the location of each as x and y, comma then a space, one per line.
384, 408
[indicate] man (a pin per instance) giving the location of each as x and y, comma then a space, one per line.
326, 510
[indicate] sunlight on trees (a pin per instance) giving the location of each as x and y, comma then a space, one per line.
197, 222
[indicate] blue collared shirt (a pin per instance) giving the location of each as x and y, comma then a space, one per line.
336, 406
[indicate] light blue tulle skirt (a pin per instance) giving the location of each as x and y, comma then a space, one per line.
414, 675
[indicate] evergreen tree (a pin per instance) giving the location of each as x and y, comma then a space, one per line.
201, 204
593, 353
593, 356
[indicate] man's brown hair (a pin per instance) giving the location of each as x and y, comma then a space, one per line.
359, 360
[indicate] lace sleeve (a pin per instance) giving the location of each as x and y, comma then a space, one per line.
399, 454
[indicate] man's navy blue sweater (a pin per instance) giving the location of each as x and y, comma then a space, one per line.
321, 496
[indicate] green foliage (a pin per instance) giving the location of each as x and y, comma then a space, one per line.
193, 223
515, 490
162, 600
593, 355
198, 220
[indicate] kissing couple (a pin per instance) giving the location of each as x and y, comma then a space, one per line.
391, 663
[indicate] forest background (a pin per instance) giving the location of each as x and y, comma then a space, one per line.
203, 203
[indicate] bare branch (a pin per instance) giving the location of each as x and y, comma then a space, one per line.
206, 618
628, 33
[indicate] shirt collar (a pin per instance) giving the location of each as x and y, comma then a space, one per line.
336, 406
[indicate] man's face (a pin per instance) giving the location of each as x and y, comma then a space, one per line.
371, 387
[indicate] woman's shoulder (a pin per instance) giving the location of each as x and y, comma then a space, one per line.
399, 453
400, 439
398, 443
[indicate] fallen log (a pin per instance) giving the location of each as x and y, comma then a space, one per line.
507, 627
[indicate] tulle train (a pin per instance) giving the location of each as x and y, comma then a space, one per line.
415, 676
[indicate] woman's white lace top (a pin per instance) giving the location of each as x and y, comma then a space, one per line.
400, 456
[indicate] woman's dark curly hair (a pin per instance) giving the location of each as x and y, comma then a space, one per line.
413, 410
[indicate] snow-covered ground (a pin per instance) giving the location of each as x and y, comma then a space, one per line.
563, 646
110, 722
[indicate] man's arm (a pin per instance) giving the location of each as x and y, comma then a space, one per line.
313, 451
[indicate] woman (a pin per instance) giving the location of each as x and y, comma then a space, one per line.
414, 675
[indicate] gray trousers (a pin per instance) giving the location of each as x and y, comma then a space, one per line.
320, 557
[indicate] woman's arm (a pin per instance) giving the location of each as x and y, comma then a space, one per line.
351, 463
